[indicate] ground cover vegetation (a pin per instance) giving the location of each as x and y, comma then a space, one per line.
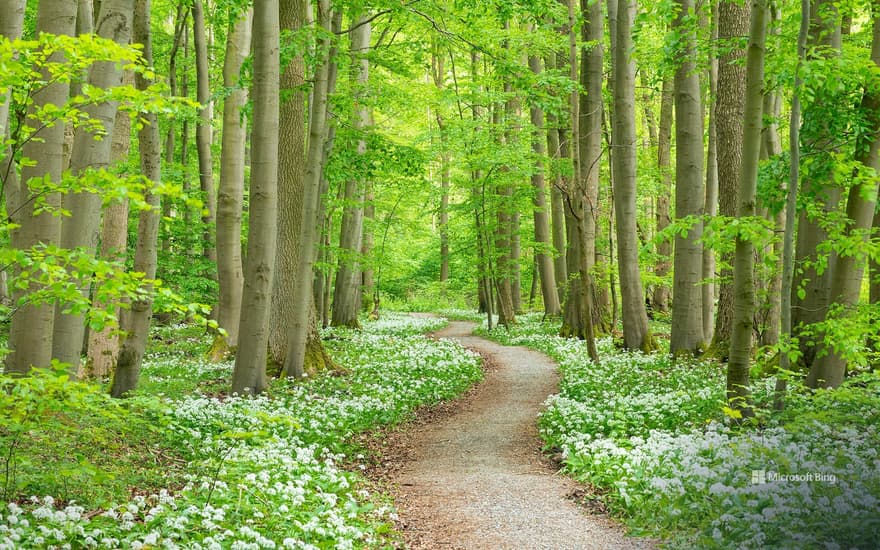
189, 469
651, 435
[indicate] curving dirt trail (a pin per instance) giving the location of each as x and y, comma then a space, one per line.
476, 479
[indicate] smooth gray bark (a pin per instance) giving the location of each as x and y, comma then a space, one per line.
231, 190
30, 335
662, 214
204, 131
818, 137
90, 152
438, 72
10, 28
687, 312
249, 375
136, 323
829, 367
541, 210
711, 201
103, 345
348, 280
636, 334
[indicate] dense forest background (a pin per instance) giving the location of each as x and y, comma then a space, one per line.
697, 179
617, 160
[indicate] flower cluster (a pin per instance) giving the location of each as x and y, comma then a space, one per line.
651, 434
264, 472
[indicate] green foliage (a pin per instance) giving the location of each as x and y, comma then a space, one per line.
69, 439
47, 274
844, 332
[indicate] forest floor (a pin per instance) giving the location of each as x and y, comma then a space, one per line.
474, 476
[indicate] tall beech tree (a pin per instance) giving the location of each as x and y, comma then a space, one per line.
249, 374
90, 152
304, 349
636, 334
687, 309
829, 366
733, 23
136, 324
438, 73
744, 256
821, 135
710, 204
103, 345
505, 205
348, 281
204, 131
30, 334
291, 177
662, 294
582, 200
541, 212
231, 189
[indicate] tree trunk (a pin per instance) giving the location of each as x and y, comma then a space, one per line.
368, 279
557, 207
818, 135
582, 211
744, 256
348, 280
321, 285
204, 130
574, 311
687, 309
170, 147
590, 112
662, 215
438, 70
636, 334
249, 375
711, 201
10, 28
515, 256
874, 264
300, 338
231, 192
484, 293
30, 335
188, 242
829, 367
733, 22
771, 146
785, 320
557, 204
291, 196
505, 206
541, 212
136, 325
90, 152
103, 346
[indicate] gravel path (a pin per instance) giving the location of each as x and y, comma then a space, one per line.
477, 479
